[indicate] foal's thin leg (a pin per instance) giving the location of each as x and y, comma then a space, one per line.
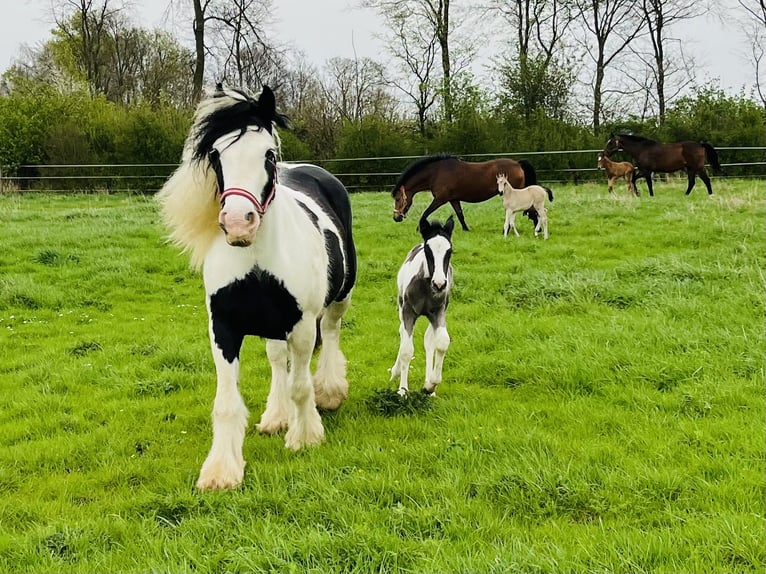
305, 425
275, 416
513, 223
611, 183
507, 225
459, 211
544, 219
330, 384
401, 366
436, 341
224, 466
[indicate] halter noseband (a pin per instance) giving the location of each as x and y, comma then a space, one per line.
260, 208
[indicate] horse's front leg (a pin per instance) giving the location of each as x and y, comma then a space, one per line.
225, 465
434, 205
330, 384
507, 225
459, 211
401, 366
436, 341
610, 183
305, 425
277, 413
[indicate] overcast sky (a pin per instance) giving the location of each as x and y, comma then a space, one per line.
323, 29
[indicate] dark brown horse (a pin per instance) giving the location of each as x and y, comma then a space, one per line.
652, 156
452, 180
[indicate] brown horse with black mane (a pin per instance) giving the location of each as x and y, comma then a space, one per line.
452, 180
652, 156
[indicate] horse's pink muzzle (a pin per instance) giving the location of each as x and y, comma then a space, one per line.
240, 219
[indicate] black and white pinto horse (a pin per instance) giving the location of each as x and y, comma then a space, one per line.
275, 245
424, 283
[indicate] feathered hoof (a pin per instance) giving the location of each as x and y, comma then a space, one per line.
221, 474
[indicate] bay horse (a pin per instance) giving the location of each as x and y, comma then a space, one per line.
652, 156
519, 199
424, 283
452, 180
617, 170
278, 260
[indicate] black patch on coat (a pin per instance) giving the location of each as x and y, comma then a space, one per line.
258, 304
335, 271
331, 196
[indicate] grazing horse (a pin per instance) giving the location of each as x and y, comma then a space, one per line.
424, 283
277, 254
616, 170
532, 196
453, 180
652, 156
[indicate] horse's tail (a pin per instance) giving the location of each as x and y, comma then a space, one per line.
530, 175
712, 157
549, 191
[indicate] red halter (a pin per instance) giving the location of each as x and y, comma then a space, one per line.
260, 208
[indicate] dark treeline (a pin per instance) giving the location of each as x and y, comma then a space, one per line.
101, 91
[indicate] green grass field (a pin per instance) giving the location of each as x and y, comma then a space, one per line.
602, 408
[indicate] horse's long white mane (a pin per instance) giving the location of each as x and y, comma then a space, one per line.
188, 200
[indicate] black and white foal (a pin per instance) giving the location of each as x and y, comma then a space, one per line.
424, 283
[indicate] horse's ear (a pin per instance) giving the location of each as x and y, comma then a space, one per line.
449, 226
423, 226
267, 105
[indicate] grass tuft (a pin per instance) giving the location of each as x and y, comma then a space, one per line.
389, 403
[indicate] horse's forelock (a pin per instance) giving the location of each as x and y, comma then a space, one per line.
226, 111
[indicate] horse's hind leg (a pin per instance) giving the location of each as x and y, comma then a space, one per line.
330, 384
544, 221
692, 180
224, 466
436, 341
459, 211
706, 180
305, 425
648, 176
275, 416
401, 366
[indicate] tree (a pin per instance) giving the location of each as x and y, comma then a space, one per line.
248, 58
355, 88
532, 76
85, 24
612, 25
755, 21
433, 19
414, 49
667, 65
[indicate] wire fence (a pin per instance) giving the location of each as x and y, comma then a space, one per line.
358, 174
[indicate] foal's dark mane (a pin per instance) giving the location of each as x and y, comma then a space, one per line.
240, 115
416, 166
